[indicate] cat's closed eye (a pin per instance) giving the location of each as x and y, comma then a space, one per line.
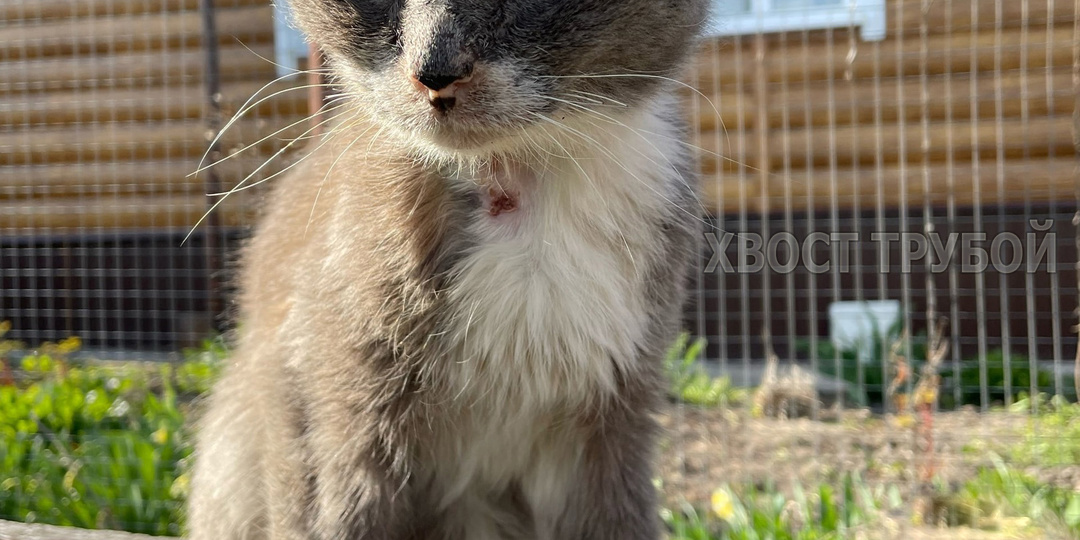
465, 73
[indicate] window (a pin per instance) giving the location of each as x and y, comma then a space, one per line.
289, 44
736, 17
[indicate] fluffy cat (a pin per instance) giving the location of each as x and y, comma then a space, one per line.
455, 309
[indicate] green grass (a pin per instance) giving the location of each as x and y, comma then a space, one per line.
869, 377
1001, 497
106, 446
690, 383
97, 446
752, 513
1052, 434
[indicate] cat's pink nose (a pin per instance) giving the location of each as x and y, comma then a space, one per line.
441, 90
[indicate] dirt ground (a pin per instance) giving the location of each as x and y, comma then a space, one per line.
705, 448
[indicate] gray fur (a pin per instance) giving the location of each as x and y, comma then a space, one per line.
338, 418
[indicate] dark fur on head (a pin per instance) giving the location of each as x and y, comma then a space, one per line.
533, 51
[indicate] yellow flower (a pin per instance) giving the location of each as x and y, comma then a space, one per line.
904, 420
161, 435
180, 486
926, 395
70, 345
722, 505
69, 476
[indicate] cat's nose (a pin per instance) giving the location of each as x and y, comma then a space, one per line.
442, 89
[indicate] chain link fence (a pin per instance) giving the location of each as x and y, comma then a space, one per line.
887, 293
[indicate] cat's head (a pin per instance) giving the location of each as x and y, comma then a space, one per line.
465, 76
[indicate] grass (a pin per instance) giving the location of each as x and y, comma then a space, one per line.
1052, 435
753, 513
1004, 498
96, 446
999, 499
869, 377
689, 381
107, 446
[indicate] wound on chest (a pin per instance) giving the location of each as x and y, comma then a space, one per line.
501, 201
506, 182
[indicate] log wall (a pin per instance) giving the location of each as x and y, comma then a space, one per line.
964, 103
102, 101
103, 106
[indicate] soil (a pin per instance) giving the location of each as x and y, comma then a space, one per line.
707, 447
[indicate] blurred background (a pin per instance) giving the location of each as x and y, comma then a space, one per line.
882, 339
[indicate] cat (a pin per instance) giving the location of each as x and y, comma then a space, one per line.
454, 312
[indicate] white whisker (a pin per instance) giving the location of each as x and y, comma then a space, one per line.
597, 98
622, 166
600, 196
327, 136
633, 130
239, 186
295, 71
268, 137
311, 215
712, 105
247, 106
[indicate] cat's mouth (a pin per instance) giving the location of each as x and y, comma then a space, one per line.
458, 138
464, 131
482, 110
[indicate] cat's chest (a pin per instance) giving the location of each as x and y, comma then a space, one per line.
548, 305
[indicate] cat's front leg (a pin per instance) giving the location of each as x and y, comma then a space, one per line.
616, 498
356, 438
357, 493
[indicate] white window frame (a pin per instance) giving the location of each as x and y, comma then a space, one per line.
867, 15
289, 43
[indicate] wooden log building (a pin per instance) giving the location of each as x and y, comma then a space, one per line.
954, 112
104, 107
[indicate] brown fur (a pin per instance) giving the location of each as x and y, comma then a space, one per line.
328, 430
343, 414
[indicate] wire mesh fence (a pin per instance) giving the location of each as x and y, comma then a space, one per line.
105, 119
887, 293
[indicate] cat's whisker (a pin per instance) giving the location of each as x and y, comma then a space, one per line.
708, 152
695, 148
596, 99
371, 144
600, 196
293, 71
690, 145
311, 215
533, 149
240, 186
248, 106
341, 127
327, 136
621, 165
231, 155
589, 100
600, 97
536, 147
619, 123
712, 105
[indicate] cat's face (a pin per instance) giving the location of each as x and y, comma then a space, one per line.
465, 76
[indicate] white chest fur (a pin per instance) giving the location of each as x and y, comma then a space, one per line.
551, 302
